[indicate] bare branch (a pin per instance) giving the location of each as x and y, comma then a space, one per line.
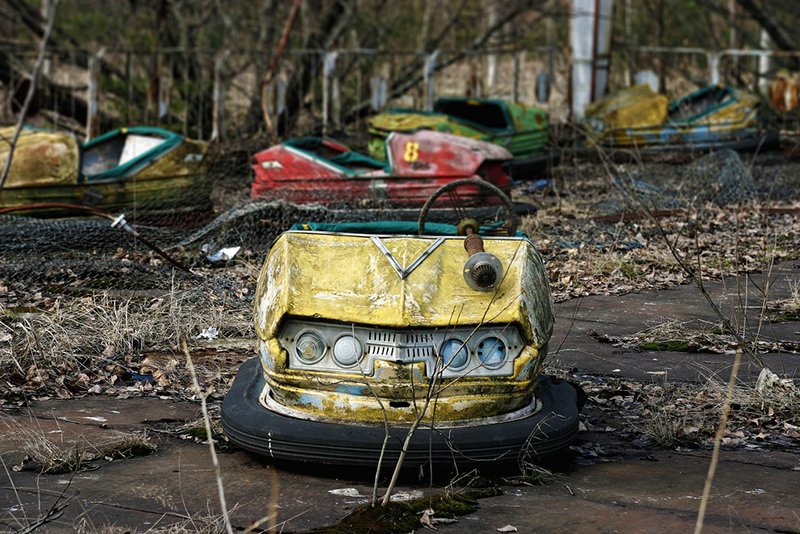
207, 421
771, 25
51, 17
270, 74
723, 424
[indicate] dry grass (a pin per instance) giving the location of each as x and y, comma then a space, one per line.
697, 336
66, 346
781, 396
197, 524
50, 455
684, 336
788, 309
111, 328
672, 417
679, 414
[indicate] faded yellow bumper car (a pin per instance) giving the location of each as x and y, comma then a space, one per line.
432, 330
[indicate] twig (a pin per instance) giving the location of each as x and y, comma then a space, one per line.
386, 437
682, 262
270, 517
54, 512
142, 510
207, 421
723, 423
51, 17
273, 525
401, 458
16, 493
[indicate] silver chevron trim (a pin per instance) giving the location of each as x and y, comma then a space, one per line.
403, 273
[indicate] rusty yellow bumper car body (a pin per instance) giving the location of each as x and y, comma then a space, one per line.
710, 117
150, 169
364, 324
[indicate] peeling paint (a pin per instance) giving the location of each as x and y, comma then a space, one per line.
352, 390
345, 279
352, 286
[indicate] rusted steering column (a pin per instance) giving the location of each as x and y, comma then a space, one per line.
483, 271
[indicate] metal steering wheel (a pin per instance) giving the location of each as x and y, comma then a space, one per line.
511, 224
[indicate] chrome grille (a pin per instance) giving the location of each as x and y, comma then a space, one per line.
400, 346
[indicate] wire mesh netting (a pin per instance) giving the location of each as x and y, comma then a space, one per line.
180, 204
79, 284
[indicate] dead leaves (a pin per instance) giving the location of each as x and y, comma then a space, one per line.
99, 345
586, 256
685, 414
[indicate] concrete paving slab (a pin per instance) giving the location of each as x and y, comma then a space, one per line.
573, 346
657, 493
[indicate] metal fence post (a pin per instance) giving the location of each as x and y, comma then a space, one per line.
336, 101
328, 66
430, 79
379, 90
92, 109
519, 62
216, 112
763, 63
713, 67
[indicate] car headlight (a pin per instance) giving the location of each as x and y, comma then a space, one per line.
347, 351
455, 354
310, 347
596, 124
491, 352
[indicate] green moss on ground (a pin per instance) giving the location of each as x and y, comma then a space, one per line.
405, 516
672, 345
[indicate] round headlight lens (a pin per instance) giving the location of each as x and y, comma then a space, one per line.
310, 347
347, 350
492, 352
454, 354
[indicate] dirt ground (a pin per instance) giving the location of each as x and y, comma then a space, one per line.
102, 391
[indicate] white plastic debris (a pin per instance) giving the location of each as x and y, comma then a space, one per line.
209, 333
405, 496
507, 528
346, 492
769, 384
223, 254
96, 419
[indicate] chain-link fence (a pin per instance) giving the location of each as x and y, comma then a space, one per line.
207, 94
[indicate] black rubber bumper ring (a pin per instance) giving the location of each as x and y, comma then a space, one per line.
259, 430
